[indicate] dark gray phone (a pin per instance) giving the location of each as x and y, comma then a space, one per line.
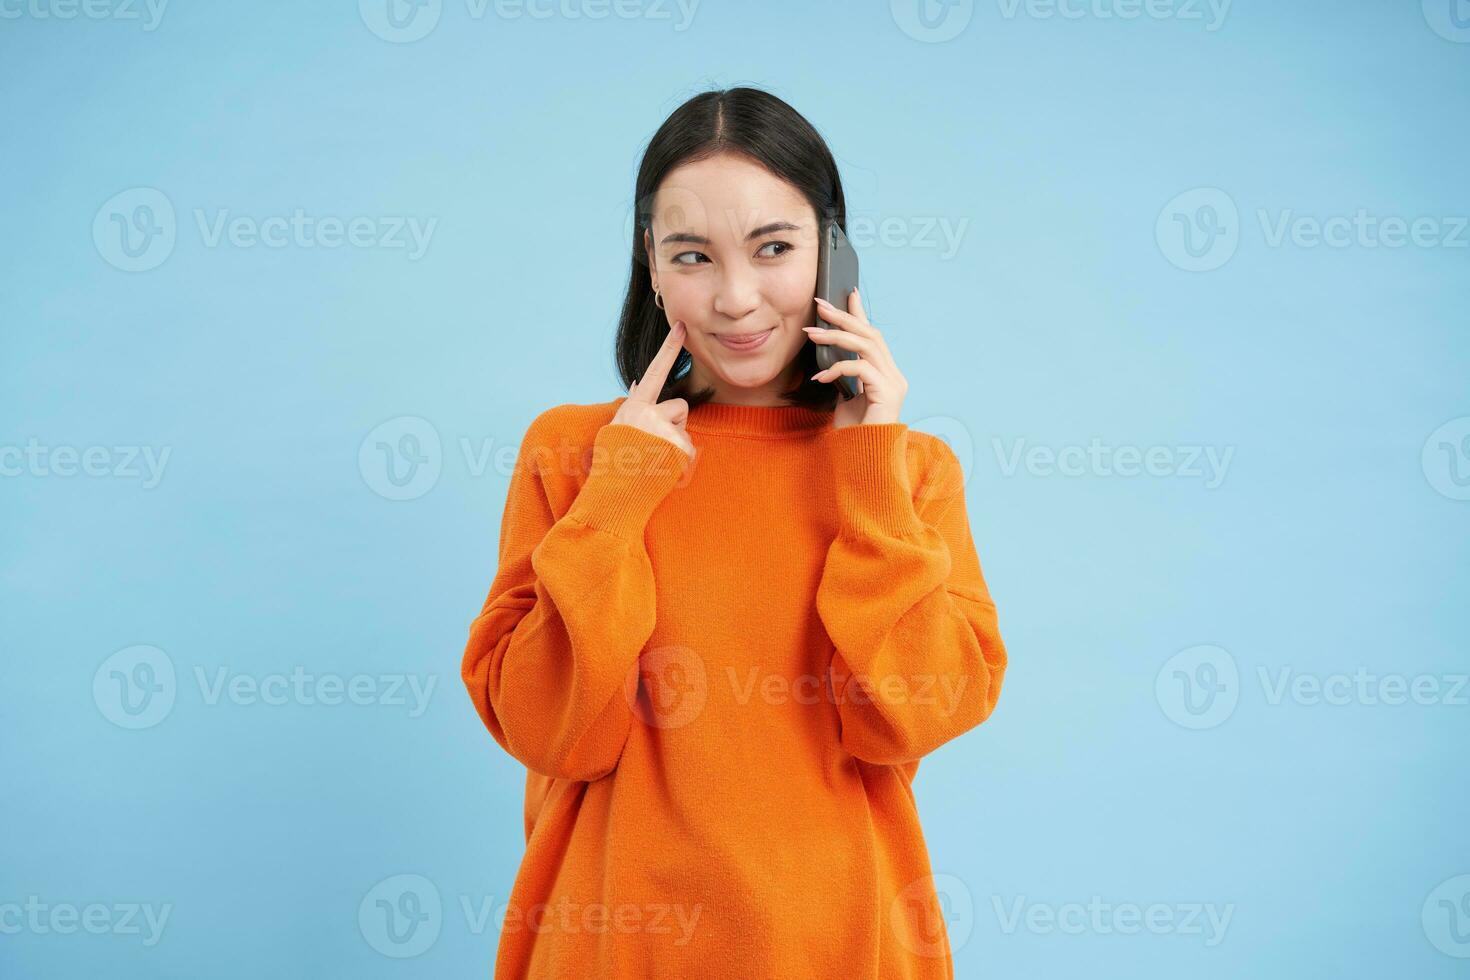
837, 275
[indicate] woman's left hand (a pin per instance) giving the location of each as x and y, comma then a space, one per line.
883, 388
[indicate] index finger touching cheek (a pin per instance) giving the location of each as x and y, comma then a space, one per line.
657, 374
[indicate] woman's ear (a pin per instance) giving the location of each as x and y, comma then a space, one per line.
648, 251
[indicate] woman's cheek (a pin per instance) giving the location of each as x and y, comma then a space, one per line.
682, 303
792, 295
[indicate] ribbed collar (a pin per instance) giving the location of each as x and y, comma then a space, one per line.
759, 421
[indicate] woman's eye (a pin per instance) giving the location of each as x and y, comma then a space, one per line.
695, 258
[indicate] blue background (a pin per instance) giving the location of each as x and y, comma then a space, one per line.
1335, 543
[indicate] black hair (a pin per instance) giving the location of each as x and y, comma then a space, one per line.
769, 132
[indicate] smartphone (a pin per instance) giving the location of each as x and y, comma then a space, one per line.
837, 275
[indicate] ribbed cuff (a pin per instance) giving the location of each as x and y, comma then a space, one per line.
630, 474
871, 479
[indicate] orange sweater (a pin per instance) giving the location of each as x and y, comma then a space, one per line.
721, 674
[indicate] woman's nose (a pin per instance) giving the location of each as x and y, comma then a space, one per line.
738, 294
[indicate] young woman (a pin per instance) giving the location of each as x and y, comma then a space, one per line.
731, 613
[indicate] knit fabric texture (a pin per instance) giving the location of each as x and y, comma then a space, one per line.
720, 673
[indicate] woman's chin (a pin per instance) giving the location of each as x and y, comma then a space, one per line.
750, 377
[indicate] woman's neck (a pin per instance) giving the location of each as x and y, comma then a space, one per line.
767, 395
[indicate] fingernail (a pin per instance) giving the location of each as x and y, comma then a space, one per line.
823, 302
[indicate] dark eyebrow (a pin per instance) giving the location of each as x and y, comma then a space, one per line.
682, 236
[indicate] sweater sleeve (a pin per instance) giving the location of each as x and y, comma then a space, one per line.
918, 656
572, 603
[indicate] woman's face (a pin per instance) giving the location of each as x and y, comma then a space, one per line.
733, 251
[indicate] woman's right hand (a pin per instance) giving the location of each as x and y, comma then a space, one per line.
643, 410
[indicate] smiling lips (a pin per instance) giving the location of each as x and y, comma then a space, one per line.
744, 342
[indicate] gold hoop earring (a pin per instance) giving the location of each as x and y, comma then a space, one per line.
658, 299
